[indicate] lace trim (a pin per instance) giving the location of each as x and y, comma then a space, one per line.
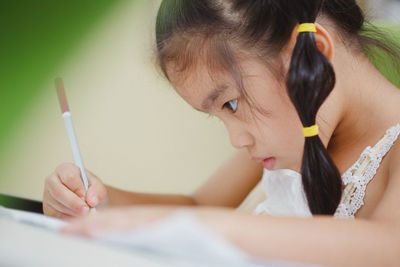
357, 177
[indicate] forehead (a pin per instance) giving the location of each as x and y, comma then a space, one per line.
197, 83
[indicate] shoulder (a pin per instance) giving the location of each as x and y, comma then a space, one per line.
388, 207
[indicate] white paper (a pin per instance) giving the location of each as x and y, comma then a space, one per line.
183, 236
32, 218
178, 237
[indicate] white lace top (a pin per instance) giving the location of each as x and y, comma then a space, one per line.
285, 195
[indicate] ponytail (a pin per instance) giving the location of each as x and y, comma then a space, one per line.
310, 80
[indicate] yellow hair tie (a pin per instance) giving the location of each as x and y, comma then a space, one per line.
311, 131
307, 27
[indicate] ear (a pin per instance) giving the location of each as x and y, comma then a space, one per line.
324, 41
322, 37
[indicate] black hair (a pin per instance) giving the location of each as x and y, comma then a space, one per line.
189, 29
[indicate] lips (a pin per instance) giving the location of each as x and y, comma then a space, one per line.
268, 163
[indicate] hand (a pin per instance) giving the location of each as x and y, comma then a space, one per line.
117, 219
65, 196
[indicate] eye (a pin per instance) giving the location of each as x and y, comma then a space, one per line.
232, 105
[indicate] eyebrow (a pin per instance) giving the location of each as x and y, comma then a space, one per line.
213, 96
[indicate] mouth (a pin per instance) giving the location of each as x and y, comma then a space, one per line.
268, 163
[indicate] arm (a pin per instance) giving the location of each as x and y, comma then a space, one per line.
322, 239
118, 197
227, 187
64, 194
319, 240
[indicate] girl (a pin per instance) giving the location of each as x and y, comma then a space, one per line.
290, 81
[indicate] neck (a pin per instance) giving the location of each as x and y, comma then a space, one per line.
364, 106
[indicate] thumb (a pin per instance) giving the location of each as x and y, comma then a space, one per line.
96, 193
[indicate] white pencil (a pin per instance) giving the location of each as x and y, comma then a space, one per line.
70, 131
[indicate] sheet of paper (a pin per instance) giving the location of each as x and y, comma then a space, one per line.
31, 218
183, 236
178, 237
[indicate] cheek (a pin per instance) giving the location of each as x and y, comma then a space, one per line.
286, 134
286, 145
290, 128
289, 122
281, 135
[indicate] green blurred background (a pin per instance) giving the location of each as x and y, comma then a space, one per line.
37, 37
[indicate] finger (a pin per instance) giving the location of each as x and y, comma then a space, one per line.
50, 211
48, 208
50, 203
69, 199
70, 175
59, 207
96, 193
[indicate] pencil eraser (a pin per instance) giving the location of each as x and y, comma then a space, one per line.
62, 98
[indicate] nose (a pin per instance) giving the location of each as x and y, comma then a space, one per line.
239, 136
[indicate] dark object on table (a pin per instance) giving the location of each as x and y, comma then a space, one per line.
19, 203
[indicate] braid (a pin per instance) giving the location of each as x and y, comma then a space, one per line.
310, 80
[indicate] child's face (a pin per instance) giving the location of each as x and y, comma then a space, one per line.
274, 131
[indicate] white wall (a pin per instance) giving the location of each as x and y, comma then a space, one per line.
383, 10
133, 129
